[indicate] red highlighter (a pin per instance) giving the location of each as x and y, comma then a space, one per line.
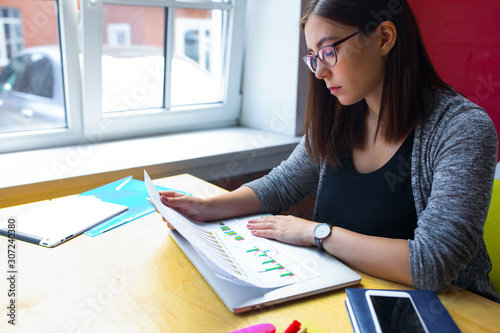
260, 328
293, 328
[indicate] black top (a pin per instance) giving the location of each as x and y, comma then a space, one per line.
379, 203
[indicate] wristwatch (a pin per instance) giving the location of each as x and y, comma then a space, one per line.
321, 231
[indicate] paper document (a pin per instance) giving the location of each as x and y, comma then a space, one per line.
230, 249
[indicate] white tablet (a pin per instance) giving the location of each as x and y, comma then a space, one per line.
57, 221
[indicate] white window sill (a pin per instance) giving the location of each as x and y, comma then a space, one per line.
210, 154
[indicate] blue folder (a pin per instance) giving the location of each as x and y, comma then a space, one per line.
128, 192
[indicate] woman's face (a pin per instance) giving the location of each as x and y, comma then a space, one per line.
360, 68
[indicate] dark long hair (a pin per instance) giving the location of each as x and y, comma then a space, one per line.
332, 128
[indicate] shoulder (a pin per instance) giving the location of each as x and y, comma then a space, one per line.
456, 134
451, 113
448, 106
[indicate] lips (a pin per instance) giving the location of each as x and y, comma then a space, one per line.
333, 90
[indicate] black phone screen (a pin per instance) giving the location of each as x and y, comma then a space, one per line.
396, 314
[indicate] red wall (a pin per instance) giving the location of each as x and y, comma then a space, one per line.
463, 41
147, 23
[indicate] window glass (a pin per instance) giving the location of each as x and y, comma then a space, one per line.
133, 71
133, 62
31, 80
197, 64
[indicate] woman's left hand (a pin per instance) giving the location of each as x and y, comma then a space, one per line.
287, 229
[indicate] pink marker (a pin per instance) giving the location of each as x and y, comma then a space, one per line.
260, 328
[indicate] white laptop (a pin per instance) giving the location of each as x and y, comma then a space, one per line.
54, 222
249, 272
330, 274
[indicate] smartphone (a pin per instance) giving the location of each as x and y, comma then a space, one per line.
394, 312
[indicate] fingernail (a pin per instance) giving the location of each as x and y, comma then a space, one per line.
164, 199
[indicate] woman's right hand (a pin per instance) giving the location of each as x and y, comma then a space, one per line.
242, 201
192, 207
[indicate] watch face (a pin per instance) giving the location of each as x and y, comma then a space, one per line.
322, 230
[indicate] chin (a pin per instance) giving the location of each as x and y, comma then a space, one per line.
347, 101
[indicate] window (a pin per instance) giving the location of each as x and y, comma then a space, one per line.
11, 33
31, 79
178, 69
126, 68
118, 34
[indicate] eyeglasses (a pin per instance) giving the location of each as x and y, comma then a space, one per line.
327, 54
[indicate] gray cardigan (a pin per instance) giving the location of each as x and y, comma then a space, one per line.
453, 166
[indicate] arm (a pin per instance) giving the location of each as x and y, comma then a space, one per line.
241, 201
382, 257
455, 191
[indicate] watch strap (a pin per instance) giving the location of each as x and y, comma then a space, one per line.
319, 243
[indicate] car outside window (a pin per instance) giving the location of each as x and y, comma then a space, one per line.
35, 76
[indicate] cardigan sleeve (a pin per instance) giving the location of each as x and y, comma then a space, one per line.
287, 184
458, 154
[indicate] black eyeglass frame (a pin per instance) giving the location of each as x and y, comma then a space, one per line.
309, 59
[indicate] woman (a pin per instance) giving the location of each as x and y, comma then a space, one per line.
402, 166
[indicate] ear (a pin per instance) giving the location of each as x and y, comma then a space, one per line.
388, 36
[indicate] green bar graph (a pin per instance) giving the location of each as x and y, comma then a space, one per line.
273, 268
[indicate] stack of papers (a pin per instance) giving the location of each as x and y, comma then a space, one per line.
230, 249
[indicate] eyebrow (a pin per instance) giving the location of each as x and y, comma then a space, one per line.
322, 41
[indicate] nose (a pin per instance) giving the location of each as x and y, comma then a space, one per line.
322, 71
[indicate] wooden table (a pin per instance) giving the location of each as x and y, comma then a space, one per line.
135, 279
